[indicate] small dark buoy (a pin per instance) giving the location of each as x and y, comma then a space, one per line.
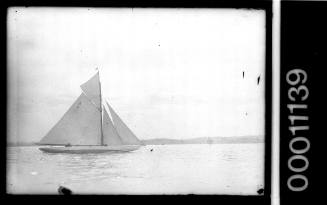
243, 74
64, 191
151, 150
260, 191
258, 80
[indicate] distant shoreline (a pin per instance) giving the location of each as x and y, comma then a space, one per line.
164, 141
206, 140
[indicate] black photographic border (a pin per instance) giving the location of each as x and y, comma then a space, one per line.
303, 46
238, 4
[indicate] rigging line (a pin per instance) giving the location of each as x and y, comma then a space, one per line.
105, 105
101, 115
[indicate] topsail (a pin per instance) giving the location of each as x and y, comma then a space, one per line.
91, 89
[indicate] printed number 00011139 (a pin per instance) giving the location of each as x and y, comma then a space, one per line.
298, 94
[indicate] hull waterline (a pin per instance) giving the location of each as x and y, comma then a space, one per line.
90, 149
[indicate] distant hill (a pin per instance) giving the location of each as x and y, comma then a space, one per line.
206, 140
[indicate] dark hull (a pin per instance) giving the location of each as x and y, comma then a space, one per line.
90, 149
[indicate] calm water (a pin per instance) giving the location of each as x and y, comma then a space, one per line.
168, 169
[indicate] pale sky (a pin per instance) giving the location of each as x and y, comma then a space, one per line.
168, 73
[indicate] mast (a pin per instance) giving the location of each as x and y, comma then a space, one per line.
100, 109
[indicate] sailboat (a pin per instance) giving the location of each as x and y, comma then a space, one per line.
87, 127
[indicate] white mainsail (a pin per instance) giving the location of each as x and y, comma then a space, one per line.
124, 132
80, 125
83, 124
